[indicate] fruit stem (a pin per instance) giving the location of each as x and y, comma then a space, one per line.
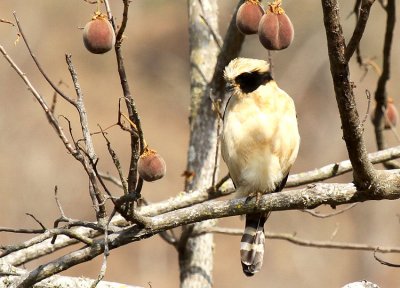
98, 7
256, 2
275, 7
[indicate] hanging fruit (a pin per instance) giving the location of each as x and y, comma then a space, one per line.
275, 30
248, 17
151, 166
98, 34
391, 116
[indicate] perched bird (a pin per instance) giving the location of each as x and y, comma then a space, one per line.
259, 144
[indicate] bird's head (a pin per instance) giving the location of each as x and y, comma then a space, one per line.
247, 74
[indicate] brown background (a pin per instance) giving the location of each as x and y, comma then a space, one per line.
33, 160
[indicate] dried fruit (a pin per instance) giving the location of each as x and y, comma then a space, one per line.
248, 17
151, 166
98, 34
275, 30
392, 115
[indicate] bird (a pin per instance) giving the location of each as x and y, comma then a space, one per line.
259, 143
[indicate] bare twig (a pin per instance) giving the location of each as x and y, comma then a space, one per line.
54, 102
97, 196
383, 262
58, 202
112, 179
320, 215
116, 162
54, 86
381, 93
53, 121
309, 243
137, 140
215, 35
7, 22
21, 230
104, 263
333, 170
37, 221
359, 29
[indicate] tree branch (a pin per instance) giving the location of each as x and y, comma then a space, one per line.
309, 243
364, 174
359, 29
340, 168
306, 198
97, 196
381, 93
54, 86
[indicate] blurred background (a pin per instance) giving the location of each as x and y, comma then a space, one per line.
33, 159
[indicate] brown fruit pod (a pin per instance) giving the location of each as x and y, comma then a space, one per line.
392, 115
151, 166
248, 17
98, 35
275, 30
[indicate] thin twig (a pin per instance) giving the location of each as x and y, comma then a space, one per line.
37, 221
116, 162
381, 93
21, 230
340, 168
137, 141
54, 86
309, 243
368, 94
362, 20
106, 253
52, 120
320, 215
112, 179
54, 102
7, 22
96, 195
383, 262
216, 37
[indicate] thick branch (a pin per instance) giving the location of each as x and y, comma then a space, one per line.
66, 282
364, 174
306, 198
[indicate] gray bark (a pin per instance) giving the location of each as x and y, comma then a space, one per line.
196, 252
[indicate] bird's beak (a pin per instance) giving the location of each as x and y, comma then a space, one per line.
229, 87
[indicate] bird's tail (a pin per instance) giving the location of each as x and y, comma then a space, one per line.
252, 243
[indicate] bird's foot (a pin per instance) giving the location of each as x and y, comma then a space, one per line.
257, 195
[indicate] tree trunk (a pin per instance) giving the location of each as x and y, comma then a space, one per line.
196, 252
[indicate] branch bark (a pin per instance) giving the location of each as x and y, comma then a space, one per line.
381, 93
306, 198
363, 174
196, 254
